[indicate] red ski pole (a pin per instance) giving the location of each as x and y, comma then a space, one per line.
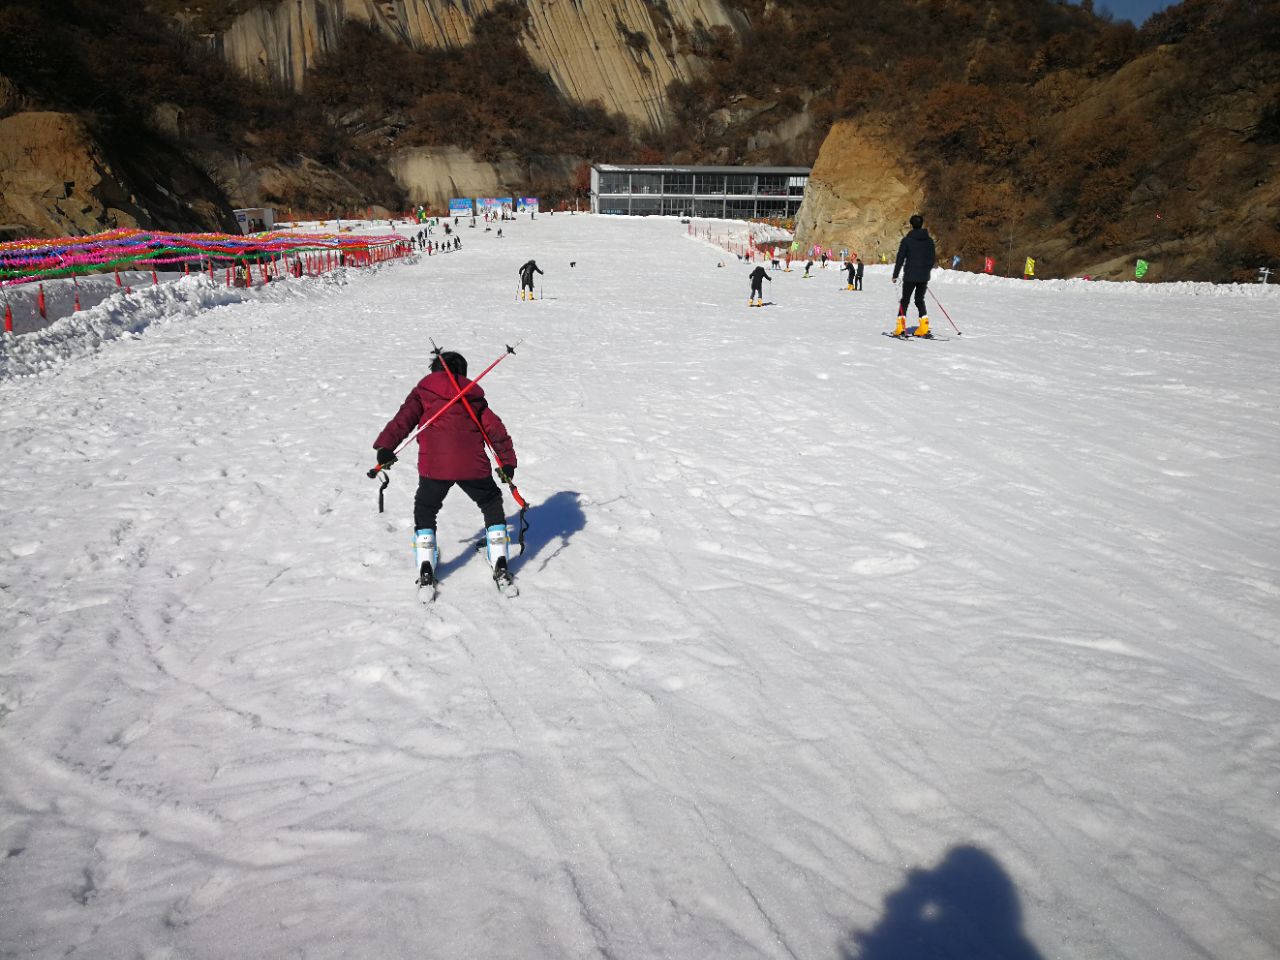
515, 491
945, 314
476, 420
436, 416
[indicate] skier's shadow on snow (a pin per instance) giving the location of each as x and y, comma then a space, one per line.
551, 523
966, 908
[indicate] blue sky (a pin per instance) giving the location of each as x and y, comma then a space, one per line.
1135, 10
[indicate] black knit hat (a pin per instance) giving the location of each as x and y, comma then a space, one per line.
456, 361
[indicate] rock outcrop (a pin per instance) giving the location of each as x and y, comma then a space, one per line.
860, 194
56, 179
434, 175
622, 53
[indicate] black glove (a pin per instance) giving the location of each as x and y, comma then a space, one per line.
386, 457
506, 474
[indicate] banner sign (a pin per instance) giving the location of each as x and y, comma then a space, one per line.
1030, 269
460, 207
1140, 270
493, 205
527, 205
990, 265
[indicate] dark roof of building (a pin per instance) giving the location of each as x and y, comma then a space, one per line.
681, 168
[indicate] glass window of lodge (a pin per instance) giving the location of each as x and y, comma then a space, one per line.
677, 183
614, 182
772, 185
646, 183
709, 183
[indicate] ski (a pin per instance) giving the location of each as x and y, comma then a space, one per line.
912, 336
503, 581
502, 578
426, 585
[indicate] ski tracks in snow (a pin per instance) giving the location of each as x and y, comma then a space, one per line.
803, 608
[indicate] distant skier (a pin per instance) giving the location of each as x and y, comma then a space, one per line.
758, 276
852, 273
526, 278
452, 451
857, 277
916, 257
807, 267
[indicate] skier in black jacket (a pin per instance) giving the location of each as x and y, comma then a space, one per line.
852, 272
526, 278
916, 257
758, 276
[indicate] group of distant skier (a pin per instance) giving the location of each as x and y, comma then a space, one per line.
916, 258
422, 241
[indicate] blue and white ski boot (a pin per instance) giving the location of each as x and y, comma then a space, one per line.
428, 557
496, 540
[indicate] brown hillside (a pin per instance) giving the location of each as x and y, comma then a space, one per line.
1020, 127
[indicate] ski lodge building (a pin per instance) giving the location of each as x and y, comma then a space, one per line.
733, 193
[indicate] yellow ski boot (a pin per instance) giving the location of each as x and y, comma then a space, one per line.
922, 330
849, 287
901, 329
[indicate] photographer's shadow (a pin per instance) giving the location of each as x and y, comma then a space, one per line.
966, 908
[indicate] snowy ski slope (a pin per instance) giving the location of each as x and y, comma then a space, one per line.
829, 645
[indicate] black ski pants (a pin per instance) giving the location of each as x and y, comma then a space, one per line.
757, 289
857, 282
430, 496
917, 287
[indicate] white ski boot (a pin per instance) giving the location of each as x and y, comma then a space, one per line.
428, 557
496, 540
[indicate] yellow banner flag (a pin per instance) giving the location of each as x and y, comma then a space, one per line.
1030, 269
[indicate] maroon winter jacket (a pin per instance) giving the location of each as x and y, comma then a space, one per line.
451, 448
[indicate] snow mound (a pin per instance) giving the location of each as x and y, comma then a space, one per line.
123, 315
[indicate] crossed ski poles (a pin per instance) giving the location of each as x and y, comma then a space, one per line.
383, 468
515, 491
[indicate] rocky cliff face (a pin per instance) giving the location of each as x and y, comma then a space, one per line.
622, 53
860, 193
57, 179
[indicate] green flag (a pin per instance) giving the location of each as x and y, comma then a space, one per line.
1140, 270
795, 245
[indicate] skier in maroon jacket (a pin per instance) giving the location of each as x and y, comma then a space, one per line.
452, 451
